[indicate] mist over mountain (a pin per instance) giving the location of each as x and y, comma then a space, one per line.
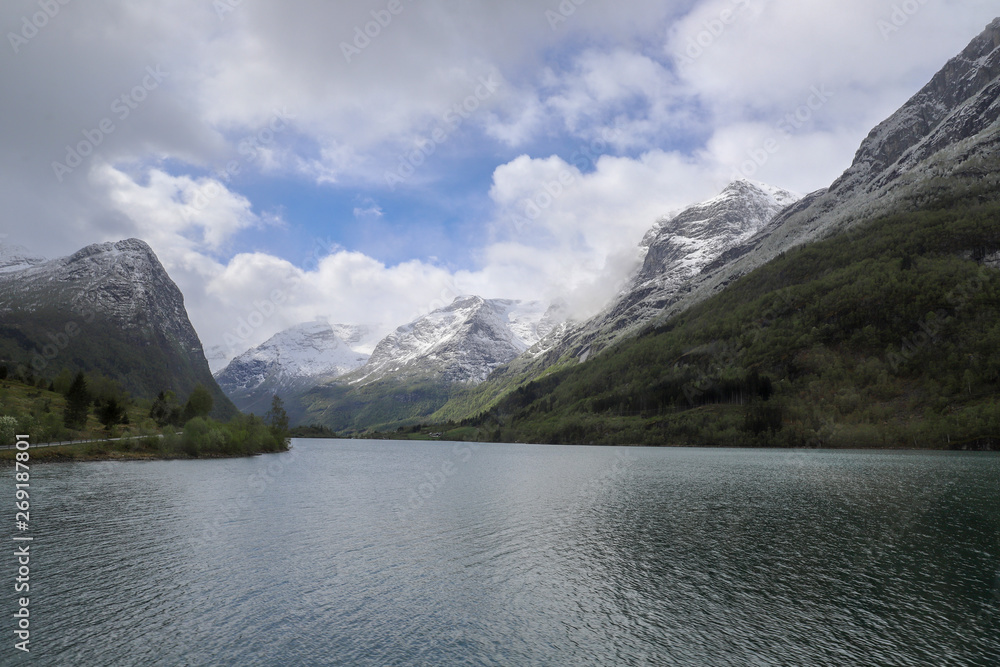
416, 368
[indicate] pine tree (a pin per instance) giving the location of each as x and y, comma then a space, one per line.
111, 412
160, 410
277, 418
77, 403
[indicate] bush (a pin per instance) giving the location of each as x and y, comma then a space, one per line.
8, 430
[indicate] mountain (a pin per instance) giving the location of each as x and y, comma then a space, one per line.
940, 136
292, 362
864, 315
463, 342
110, 308
677, 248
17, 258
416, 368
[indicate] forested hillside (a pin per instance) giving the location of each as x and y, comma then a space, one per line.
888, 336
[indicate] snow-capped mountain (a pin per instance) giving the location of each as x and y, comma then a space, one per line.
123, 280
947, 132
678, 247
463, 342
110, 307
291, 362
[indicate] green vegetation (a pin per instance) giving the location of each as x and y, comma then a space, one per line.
96, 408
201, 438
313, 431
885, 337
380, 405
77, 403
48, 342
74, 408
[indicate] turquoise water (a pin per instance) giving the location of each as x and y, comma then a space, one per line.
398, 553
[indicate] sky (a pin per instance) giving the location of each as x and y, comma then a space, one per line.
369, 161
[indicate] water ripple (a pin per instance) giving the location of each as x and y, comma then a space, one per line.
526, 555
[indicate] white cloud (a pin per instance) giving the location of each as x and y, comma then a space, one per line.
609, 77
176, 211
368, 211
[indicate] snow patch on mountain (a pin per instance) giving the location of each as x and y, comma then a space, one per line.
17, 258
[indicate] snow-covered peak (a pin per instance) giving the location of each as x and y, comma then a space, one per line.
16, 258
677, 248
289, 363
462, 342
781, 197
306, 350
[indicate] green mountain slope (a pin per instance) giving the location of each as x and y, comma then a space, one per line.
382, 405
888, 336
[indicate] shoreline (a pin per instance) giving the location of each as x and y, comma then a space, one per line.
78, 452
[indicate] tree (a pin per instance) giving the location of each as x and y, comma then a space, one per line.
277, 418
3, 372
77, 403
160, 410
199, 404
111, 412
62, 382
8, 430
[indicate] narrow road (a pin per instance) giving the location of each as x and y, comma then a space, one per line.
79, 442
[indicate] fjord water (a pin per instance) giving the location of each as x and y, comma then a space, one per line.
406, 553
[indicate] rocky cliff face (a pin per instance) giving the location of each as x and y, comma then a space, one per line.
680, 247
128, 316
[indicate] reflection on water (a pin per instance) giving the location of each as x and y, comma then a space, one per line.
391, 553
